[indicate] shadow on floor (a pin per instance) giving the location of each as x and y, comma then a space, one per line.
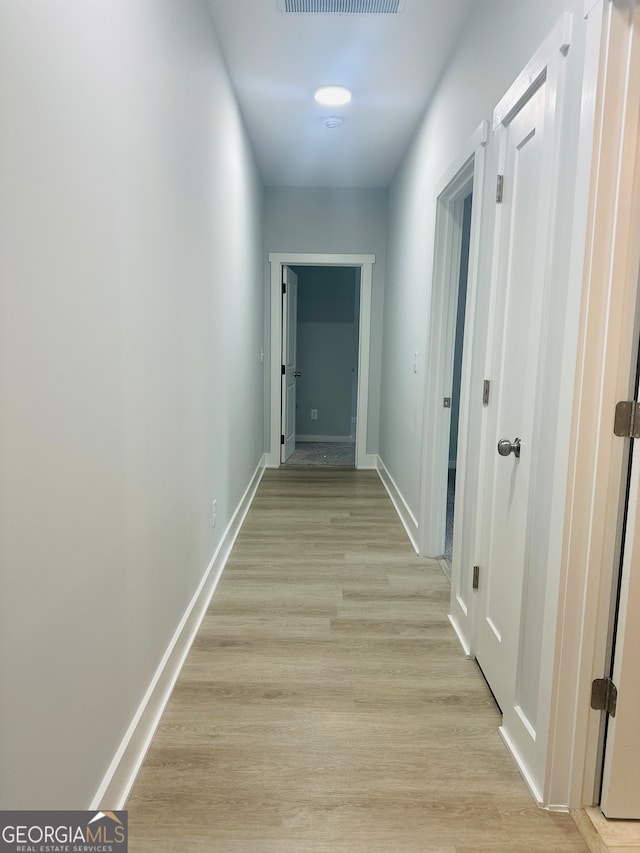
316, 453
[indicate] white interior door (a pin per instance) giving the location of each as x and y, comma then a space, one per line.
506, 627
289, 343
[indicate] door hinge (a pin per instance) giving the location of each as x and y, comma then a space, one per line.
604, 695
281, 439
284, 288
627, 419
485, 392
476, 577
499, 189
284, 370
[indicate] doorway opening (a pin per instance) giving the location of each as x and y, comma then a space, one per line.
453, 408
461, 304
326, 366
611, 792
449, 347
357, 388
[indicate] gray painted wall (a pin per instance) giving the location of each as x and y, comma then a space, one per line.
333, 221
327, 345
131, 281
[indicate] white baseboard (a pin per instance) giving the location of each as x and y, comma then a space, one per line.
522, 767
119, 778
446, 568
325, 438
461, 638
402, 508
367, 462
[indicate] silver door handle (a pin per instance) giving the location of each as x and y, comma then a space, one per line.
505, 447
297, 374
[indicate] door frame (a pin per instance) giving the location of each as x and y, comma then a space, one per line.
605, 371
464, 175
277, 261
289, 369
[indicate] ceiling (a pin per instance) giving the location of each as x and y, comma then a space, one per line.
391, 62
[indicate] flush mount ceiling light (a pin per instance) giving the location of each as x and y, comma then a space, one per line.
333, 96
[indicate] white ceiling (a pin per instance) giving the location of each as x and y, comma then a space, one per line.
390, 62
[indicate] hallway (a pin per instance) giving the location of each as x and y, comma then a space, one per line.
326, 704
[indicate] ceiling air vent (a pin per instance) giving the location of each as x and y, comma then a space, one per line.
341, 7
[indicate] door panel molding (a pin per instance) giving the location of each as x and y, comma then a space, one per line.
534, 72
365, 262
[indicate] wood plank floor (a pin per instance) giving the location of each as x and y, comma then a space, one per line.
326, 704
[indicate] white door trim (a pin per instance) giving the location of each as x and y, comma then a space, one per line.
608, 324
365, 262
465, 175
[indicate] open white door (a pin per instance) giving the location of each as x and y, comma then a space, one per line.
289, 373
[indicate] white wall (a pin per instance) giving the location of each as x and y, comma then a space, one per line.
498, 41
131, 321
335, 221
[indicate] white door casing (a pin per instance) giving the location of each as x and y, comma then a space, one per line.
365, 263
621, 778
464, 175
604, 374
289, 348
439, 370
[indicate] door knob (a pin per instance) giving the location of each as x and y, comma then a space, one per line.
298, 374
505, 447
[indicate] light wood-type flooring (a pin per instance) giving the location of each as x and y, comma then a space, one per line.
326, 705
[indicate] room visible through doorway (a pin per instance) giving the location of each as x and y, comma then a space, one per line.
327, 342
457, 375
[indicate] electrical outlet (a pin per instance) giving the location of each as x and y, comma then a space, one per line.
214, 512
314, 414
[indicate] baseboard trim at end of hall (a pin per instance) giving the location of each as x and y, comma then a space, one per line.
367, 462
522, 767
121, 774
405, 515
